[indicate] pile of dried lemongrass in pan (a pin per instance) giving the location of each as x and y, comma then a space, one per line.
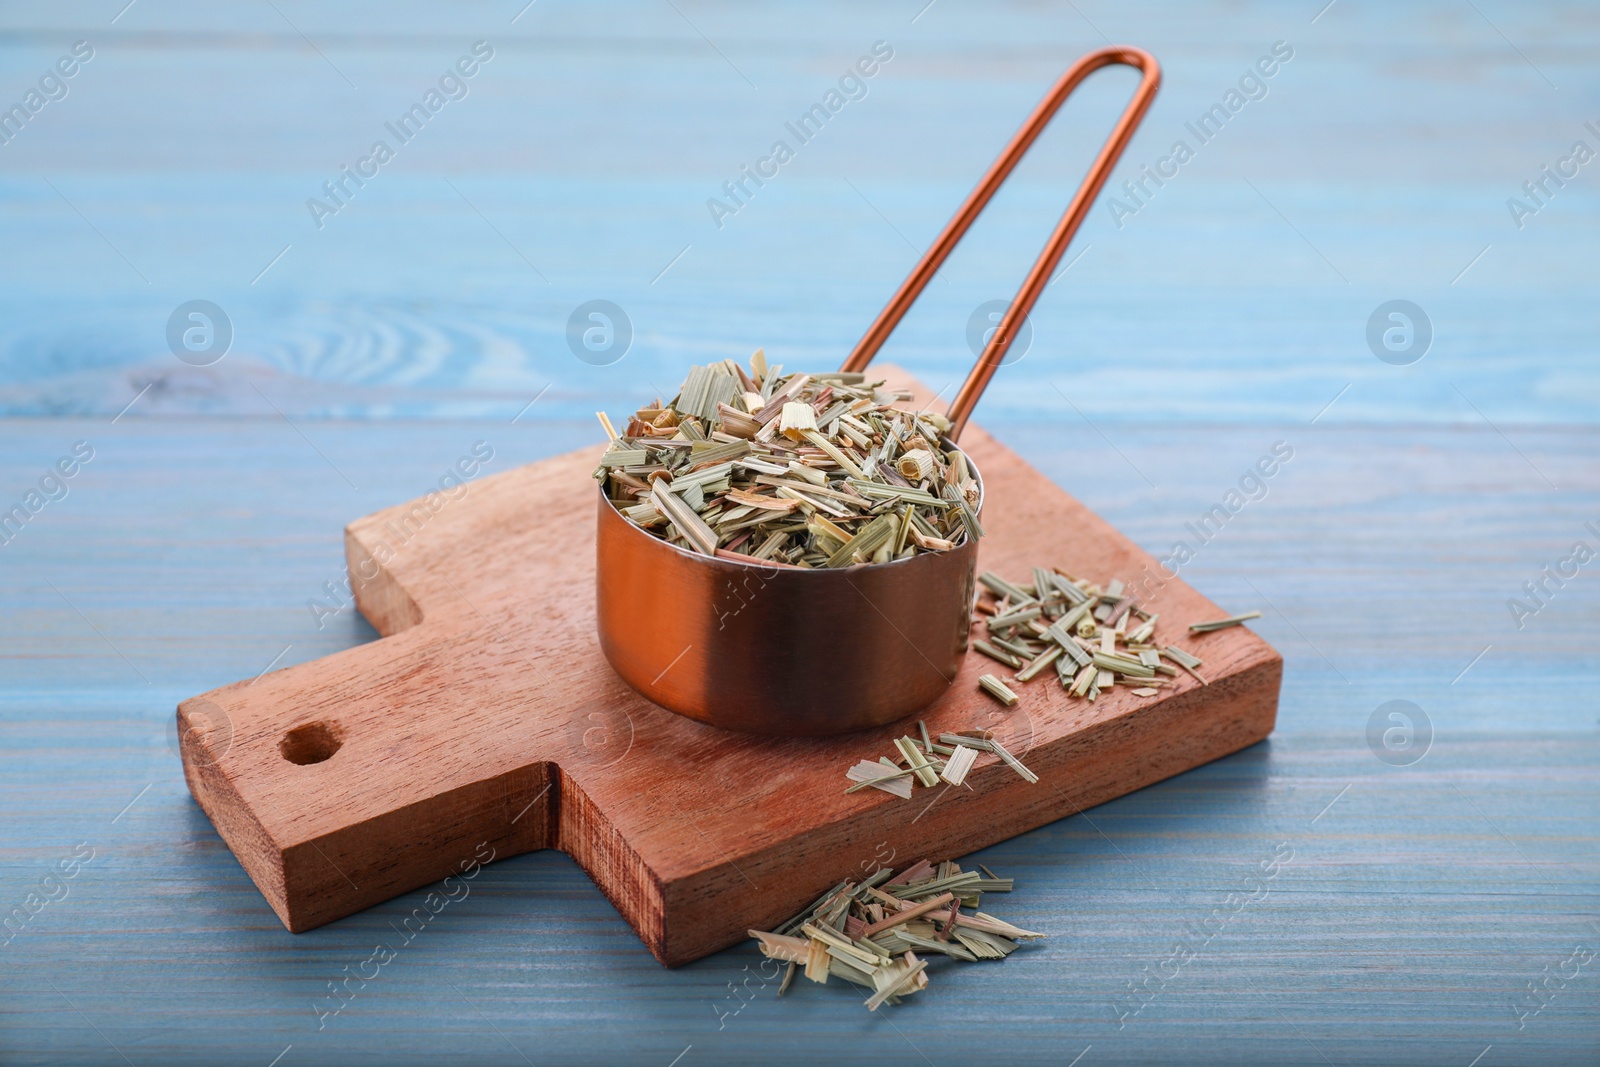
808, 470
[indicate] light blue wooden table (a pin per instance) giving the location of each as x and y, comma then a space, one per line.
1442, 903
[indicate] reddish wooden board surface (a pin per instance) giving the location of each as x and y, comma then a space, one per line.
486, 723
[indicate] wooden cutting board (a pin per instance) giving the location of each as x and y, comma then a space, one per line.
486, 723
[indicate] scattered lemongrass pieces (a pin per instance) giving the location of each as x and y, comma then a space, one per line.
959, 763
782, 947
1180, 657
1097, 638
921, 761
860, 933
1043, 660
999, 655
918, 762
1223, 624
1185, 660
901, 978
910, 913
990, 925
989, 744
997, 689
866, 773
1011, 761
817, 960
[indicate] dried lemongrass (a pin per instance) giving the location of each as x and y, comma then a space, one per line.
922, 762
997, 689
684, 519
867, 773
1011, 761
916, 761
870, 936
1010, 659
1096, 638
903, 977
746, 457
795, 419
916, 464
989, 744
1222, 624
1043, 660
1185, 660
1180, 657
960, 762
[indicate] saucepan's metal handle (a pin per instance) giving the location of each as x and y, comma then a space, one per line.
1054, 249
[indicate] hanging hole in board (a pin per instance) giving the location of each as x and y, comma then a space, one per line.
313, 742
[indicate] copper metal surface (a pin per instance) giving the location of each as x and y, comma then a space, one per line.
780, 650
1054, 248
793, 651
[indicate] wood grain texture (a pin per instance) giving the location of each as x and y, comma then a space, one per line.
473, 722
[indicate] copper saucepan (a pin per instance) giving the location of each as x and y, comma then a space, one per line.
779, 650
